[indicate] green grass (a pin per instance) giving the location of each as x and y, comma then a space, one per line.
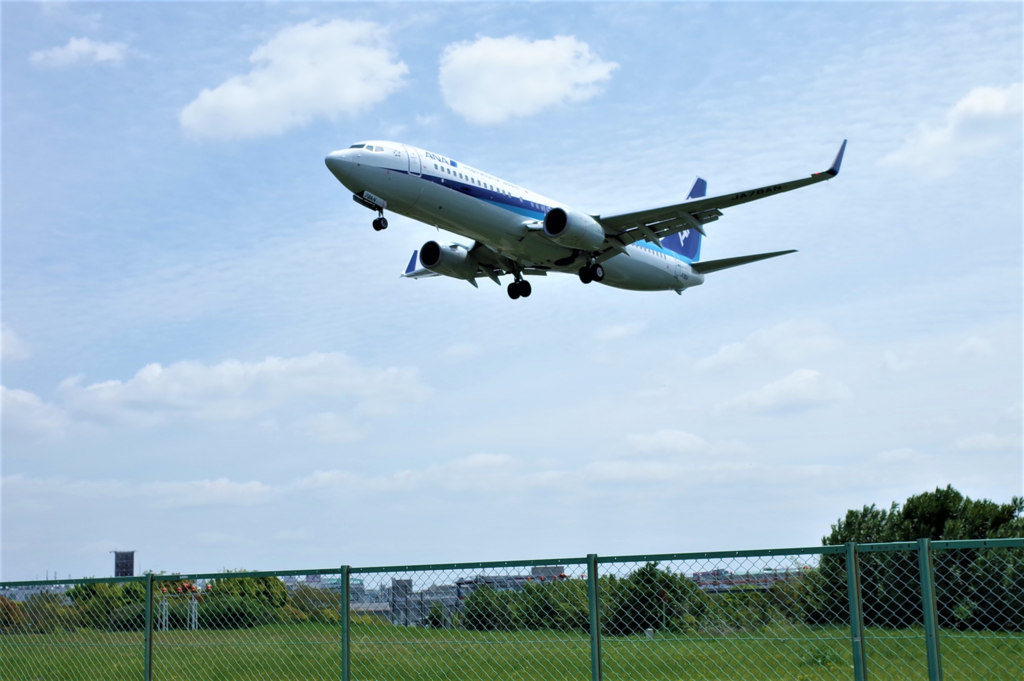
382, 653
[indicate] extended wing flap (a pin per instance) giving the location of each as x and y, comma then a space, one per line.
724, 264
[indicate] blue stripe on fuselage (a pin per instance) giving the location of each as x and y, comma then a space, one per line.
492, 197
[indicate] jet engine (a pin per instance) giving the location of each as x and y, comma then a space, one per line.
573, 230
451, 260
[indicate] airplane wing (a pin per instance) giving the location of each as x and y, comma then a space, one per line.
655, 223
724, 264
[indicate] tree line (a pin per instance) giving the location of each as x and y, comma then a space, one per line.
980, 589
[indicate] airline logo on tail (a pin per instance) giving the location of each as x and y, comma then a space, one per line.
687, 243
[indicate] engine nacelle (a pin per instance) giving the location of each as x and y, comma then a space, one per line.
573, 230
451, 260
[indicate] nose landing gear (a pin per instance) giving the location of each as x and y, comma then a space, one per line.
380, 223
593, 272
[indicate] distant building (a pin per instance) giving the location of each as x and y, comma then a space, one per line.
124, 563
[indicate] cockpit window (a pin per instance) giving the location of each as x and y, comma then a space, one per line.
357, 146
378, 148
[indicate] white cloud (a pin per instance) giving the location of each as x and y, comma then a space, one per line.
24, 414
492, 80
987, 442
1014, 413
234, 390
975, 347
986, 120
330, 428
635, 471
900, 456
219, 492
62, 12
459, 351
608, 334
274, 392
789, 341
891, 362
295, 535
303, 73
80, 50
11, 346
802, 389
668, 441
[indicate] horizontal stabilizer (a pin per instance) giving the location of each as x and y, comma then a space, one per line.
412, 273
715, 265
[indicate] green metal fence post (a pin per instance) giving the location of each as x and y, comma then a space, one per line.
931, 623
860, 667
148, 652
594, 599
344, 623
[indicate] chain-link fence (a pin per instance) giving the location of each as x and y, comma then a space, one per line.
911, 610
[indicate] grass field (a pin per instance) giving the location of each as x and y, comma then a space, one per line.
384, 653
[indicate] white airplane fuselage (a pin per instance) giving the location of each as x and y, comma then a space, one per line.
452, 196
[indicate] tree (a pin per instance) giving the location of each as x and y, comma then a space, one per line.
653, 599
940, 515
972, 585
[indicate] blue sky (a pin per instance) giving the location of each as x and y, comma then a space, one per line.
208, 355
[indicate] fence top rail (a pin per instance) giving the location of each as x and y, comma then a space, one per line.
1010, 543
749, 553
72, 582
468, 566
887, 546
246, 574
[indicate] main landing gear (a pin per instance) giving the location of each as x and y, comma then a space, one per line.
380, 223
589, 273
519, 288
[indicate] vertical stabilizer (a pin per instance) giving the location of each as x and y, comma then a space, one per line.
687, 243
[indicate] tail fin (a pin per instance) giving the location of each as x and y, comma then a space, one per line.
687, 243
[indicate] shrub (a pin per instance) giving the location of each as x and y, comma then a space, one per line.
488, 610
270, 591
437, 615
131, 617
291, 614
46, 613
233, 612
12, 619
314, 602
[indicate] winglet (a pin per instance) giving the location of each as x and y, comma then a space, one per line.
699, 189
412, 263
834, 170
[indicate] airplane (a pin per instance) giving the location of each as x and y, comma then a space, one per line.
518, 232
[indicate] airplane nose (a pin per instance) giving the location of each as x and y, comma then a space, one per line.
336, 161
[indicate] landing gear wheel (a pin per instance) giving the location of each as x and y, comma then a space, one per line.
597, 273
376, 225
513, 290
525, 289
383, 222
585, 275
